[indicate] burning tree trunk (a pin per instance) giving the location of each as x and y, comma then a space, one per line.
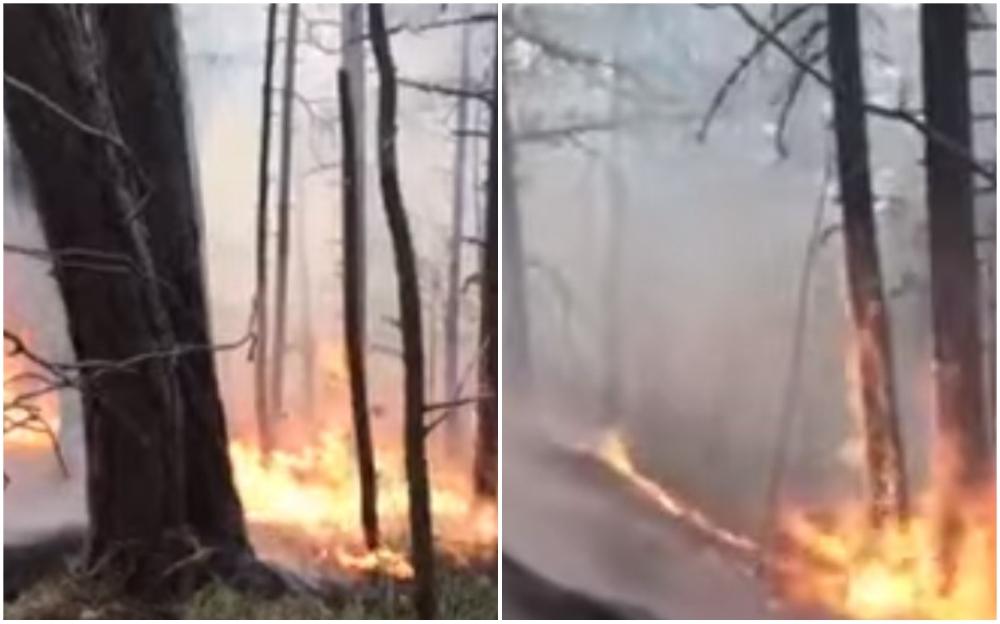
453, 297
515, 297
103, 89
353, 335
872, 352
421, 536
954, 271
284, 189
260, 347
486, 439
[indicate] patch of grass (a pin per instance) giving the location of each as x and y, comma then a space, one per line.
462, 594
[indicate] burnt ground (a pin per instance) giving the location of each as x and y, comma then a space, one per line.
582, 542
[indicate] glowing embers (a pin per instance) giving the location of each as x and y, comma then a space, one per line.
303, 507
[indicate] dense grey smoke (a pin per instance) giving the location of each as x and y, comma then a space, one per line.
713, 238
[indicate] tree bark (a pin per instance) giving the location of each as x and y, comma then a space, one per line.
284, 190
353, 336
958, 366
421, 534
353, 40
486, 438
307, 337
871, 356
260, 347
158, 473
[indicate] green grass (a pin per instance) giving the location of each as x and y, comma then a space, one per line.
462, 594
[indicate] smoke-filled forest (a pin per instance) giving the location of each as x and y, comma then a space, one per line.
250, 311
748, 309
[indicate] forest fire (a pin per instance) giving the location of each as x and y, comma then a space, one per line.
304, 508
839, 563
836, 562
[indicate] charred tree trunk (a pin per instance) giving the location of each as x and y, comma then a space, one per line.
454, 287
353, 335
872, 354
515, 281
421, 536
102, 88
284, 190
263, 171
487, 433
353, 40
958, 366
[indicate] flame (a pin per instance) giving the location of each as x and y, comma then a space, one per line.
21, 432
840, 563
613, 451
313, 492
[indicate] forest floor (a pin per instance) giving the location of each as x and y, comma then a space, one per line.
463, 593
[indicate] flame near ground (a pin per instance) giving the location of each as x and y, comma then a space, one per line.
830, 559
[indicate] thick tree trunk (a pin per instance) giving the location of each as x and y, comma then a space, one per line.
515, 305
353, 335
871, 356
486, 438
277, 393
353, 41
958, 366
458, 194
261, 347
158, 472
421, 536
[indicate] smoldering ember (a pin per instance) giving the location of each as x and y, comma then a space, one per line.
749, 281
250, 311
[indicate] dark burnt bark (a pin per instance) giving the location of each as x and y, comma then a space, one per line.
158, 470
421, 536
486, 435
958, 366
261, 347
353, 336
277, 392
872, 353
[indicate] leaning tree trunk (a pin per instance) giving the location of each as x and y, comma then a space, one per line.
284, 190
158, 473
515, 282
353, 334
263, 171
955, 299
871, 354
421, 536
486, 438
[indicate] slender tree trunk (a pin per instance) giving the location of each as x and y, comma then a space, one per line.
517, 336
353, 36
284, 189
158, 474
872, 353
955, 299
458, 195
487, 433
422, 546
260, 347
353, 337
614, 328
307, 338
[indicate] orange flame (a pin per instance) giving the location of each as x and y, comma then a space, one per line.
21, 431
